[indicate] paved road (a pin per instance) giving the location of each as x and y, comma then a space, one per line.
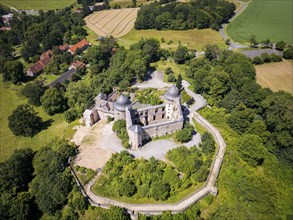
233, 44
65, 76
186, 202
199, 103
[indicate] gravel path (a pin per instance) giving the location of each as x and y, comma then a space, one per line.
183, 204
156, 81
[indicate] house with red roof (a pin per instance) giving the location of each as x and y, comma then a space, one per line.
64, 47
82, 45
38, 66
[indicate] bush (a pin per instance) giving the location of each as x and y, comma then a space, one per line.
171, 77
185, 134
276, 58
280, 45
288, 52
119, 128
71, 115
208, 144
257, 60
110, 119
266, 57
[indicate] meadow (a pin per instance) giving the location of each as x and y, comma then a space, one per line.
276, 76
38, 4
10, 98
193, 39
266, 20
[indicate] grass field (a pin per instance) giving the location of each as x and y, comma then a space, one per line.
125, 3
9, 100
276, 76
193, 39
266, 20
38, 4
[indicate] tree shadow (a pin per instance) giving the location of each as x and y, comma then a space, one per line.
46, 124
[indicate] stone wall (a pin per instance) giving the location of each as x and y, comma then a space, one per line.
161, 129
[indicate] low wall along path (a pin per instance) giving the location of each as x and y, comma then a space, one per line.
209, 186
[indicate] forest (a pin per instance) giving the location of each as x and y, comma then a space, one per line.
182, 16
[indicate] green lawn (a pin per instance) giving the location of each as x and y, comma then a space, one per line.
193, 39
9, 100
266, 20
38, 4
126, 3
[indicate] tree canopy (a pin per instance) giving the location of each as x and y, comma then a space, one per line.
181, 16
24, 121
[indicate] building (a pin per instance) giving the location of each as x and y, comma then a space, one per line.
82, 45
142, 124
39, 66
6, 19
64, 47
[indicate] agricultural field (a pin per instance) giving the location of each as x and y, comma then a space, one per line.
10, 98
38, 4
276, 76
193, 39
266, 20
112, 22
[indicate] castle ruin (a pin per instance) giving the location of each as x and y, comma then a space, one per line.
142, 124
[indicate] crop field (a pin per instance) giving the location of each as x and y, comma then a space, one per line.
266, 20
193, 39
38, 4
10, 98
112, 22
276, 76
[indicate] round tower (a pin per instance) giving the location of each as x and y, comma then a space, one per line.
169, 98
119, 106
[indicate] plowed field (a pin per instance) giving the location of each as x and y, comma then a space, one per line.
112, 22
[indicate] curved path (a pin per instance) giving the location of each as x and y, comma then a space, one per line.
209, 186
223, 32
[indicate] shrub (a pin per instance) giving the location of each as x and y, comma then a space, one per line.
171, 77
119, 128
288, 52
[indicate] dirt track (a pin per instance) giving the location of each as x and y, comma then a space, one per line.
112, 22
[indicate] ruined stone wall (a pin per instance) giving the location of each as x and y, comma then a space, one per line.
161, 129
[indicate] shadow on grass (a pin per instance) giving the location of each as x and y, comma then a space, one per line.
46, 124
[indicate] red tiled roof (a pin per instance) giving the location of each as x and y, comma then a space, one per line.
40, 65
5, 28
48, 53
64, 47
80, 44
78, 64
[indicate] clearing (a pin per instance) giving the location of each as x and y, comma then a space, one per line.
10, 98
276, 76
112, 22
194, 39
38, 4
266, 20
